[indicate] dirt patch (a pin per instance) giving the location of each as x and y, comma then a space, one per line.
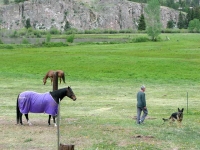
71, 120
145, 138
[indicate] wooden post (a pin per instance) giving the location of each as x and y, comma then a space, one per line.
55, 81
55, 87
187, 102
60, 146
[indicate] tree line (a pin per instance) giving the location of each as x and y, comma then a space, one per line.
6, 2
179, 4
152, 24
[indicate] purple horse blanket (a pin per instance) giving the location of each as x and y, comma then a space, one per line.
33, 102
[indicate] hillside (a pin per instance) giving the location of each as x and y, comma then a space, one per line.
80, 14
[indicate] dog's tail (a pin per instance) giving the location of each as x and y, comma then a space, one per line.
165, 119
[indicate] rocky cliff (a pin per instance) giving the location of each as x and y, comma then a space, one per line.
81, 14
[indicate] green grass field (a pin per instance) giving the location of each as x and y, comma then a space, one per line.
105, 79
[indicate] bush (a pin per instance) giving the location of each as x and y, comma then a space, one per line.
14, 35
37, 34
54, 31
127, 31
194, 25
54, 44
48, 37
3, 46
25, 41
140, 39
70, 38
71, 31
1, 41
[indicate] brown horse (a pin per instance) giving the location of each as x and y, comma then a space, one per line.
50, 73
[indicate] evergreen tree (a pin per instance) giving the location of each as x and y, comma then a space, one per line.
180, 21
170, 24
189, 15
142, 24
6, 2
67, 26
28, 23
153, 22
196, 13
18, 1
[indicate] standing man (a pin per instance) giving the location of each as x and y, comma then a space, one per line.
141, 105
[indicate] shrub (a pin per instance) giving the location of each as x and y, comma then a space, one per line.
71, 31
140, 39
1, 41
194, 25
48, 37
37, 34
25, 41
54, 31
70, 38
14, 35
54, 44
3, 46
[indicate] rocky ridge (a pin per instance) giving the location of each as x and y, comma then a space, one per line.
81, 14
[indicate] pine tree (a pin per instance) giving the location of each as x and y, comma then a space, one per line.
67, 26
6, 2
196, 13
180, 21
28, 23
189, 15
170, 24
142, 24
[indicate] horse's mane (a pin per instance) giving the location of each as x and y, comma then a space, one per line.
47, 74
59, 94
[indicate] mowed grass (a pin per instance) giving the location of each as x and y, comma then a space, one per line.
105, 79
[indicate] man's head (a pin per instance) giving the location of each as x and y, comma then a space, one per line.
143, 88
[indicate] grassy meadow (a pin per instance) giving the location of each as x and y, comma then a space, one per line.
105, 79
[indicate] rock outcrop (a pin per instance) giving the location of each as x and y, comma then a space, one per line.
80, 14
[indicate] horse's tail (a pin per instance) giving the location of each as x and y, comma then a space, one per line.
63, 77
17, 110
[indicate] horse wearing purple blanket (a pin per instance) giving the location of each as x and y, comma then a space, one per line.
30, 101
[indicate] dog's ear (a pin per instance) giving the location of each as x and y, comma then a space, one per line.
179, 109
182, 109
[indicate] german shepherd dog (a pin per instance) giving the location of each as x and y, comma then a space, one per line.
177, 116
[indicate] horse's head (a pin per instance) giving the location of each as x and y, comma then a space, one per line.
44, 81
70, 93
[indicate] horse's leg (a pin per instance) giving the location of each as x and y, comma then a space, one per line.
49, 121
29, 123
54, 121
20, 118
60, 80
51, 80
63, 78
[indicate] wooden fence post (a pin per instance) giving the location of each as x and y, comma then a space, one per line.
60, 146
55, 81
55, 87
